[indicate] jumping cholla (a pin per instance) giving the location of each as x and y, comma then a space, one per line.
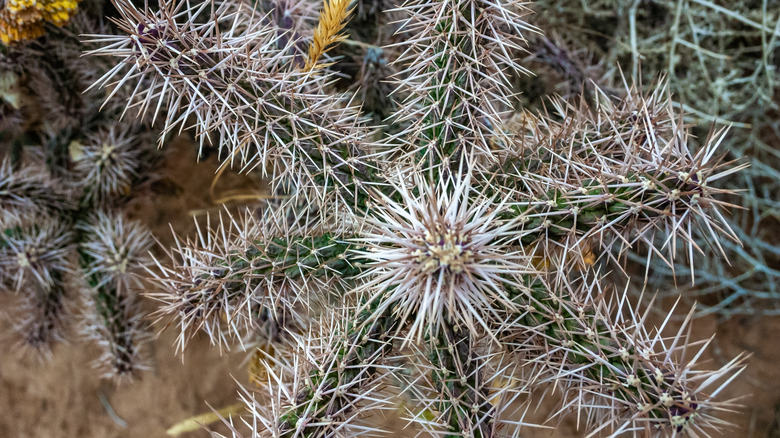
452, 258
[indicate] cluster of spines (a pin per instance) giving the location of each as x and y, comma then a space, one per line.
34, 252
455, 74
607, 367
619, 175
244, 274
246, 92
439, 253
106, 164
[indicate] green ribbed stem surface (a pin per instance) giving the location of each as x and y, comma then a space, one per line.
557, 213
592, 348
457, 377
366, 341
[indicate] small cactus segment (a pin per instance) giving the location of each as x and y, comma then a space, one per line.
248, 276
457, 61
459, 378
249, 92
623, 375
113, 252
623, 173
36, 263
336, 372
347, 372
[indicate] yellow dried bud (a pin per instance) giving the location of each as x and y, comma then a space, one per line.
24, 19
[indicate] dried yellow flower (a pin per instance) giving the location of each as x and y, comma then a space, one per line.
24, 19
333, 18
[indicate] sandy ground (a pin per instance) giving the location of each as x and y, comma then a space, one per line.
64, 398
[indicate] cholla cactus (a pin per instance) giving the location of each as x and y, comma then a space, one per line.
242, 84
112, 254
69, 255
106, 164
619, 174
437, 254
52, 257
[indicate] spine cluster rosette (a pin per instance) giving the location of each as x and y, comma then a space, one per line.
106, 164
440, 253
